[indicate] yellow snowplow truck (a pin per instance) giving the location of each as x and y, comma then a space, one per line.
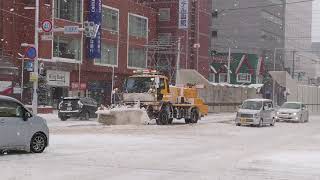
163, 102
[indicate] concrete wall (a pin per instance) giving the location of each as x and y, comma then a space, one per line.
219, 97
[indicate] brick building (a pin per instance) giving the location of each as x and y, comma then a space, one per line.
126, 27
196, 32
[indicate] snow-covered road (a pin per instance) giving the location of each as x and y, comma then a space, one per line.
214, 149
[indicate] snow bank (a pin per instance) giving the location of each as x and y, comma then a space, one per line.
122, 116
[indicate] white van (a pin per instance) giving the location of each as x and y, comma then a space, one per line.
257, 112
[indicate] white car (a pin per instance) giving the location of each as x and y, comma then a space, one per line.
20, 129
293, 111
257, 112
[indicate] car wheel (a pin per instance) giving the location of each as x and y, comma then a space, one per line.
63, 118
238, 124
38, 143
187, 121
260, 123
170, 121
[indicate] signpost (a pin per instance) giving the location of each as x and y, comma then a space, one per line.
46, 37
31, 53
46, 25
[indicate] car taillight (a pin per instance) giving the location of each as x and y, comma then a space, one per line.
80, 104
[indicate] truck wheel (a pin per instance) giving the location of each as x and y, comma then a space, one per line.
194, 116
188, 121
163, 118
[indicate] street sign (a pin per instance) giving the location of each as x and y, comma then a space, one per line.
46, 25
46, 37
28, 66
71, 29
31, 53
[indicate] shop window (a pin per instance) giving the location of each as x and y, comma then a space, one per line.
138, 26
110, 19
164, 14
109, 55
68, 10
137, 58
244, 78
212, 77
68, 48
164, 37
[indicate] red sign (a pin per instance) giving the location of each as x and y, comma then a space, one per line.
46, 25
75, 86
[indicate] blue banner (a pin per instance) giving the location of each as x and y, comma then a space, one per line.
95, 15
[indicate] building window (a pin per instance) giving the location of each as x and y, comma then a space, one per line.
67, 47
271, 17
110, 19
223, 78
109, 55
214, 34
137, 58
68, 10
212, 77
164, 37
244, 78
138, 26
164, 14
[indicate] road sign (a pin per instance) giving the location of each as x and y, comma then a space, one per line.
46, 25
46, 37
28, 66
71, 29
31, 53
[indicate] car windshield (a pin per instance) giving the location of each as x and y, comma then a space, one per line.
138, 84
291, 106
252, 105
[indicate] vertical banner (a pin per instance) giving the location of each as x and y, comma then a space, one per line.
183, 14
95, 16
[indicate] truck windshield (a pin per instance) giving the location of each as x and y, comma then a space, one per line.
291, 106
138, 84
252, 105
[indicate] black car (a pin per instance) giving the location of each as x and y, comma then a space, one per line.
83, 108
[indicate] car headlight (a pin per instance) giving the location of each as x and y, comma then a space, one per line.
294, 114
278, 113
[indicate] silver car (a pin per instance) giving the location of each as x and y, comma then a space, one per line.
257, 112
20, 129
293, 111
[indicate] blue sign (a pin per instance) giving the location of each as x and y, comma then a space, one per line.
95, 15
28, 65
31, 53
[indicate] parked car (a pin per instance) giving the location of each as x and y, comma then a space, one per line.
293, 111
257, 112
20, 129
83, 108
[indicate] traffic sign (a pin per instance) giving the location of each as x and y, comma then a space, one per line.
71, 29
46, 37
46, 25
33, 77
31, 53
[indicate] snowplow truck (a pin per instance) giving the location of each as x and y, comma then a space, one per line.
161, 101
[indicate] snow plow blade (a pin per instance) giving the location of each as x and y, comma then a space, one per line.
122, 116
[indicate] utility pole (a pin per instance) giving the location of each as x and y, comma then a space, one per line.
293, 63
229, 59
22, 82
273, 80
36, 61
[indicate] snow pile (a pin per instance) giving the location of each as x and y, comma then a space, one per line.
122, 115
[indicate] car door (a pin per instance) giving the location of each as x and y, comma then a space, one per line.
267, 111
11, 116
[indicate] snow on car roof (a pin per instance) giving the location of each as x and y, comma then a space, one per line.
257, 99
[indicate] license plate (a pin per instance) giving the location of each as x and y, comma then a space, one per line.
243, 120
69, 108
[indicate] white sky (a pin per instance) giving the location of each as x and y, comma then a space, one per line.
316, 21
